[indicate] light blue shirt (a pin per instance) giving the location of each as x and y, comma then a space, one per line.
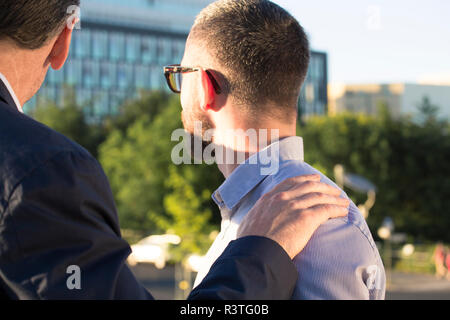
341, 261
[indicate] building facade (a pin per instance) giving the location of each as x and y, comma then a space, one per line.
120, 47
314, 95
402, 99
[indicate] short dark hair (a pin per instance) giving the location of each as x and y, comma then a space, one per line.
263, 49
30, 23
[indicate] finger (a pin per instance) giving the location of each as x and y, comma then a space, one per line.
324, 212
317, 198
292, 182
310, 187
301, 179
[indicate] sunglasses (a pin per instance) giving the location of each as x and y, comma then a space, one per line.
174, 77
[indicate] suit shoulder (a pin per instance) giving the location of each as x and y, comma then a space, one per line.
26, 145
22, 135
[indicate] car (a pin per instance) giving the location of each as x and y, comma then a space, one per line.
152, 249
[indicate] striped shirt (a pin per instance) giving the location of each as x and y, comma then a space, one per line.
341, 261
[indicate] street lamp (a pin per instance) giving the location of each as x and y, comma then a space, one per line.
184, 271
386, 229
385, 232
359, 184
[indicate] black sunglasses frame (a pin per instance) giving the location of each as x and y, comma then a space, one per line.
176, 68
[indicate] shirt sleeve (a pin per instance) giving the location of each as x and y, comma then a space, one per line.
251, 268
339, 263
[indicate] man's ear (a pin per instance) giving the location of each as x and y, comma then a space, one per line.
207, 93
60, 50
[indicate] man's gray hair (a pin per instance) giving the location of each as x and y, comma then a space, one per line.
31, 23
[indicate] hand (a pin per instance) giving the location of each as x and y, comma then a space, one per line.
292, 212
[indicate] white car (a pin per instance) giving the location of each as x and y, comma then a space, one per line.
152, 249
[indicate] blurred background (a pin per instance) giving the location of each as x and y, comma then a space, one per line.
374, 115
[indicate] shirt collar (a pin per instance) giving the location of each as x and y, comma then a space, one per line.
11, 92
254, 170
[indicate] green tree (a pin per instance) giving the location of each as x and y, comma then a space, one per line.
428, 111
71, 120
188, 214
154, 195
150, 104
408, 162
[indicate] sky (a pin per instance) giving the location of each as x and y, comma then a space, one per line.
379, 41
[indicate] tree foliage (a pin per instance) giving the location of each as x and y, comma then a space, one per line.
408, 162
71, 120
153, 195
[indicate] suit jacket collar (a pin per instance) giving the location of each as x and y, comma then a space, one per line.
5, 96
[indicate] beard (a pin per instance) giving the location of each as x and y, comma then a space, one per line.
191, 120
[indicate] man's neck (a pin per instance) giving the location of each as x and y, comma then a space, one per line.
20, 68
242, 143
9, 54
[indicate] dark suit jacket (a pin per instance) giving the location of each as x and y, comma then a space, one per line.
57, 210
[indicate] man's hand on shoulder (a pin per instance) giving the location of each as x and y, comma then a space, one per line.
292, 212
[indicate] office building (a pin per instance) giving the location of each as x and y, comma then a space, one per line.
314, 96
121, 47
402, 99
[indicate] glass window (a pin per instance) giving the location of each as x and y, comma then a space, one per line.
73, 45
100, 44
101, 103
55, 77
148, 50
82, 43
310, 92
76, 43
142, 78
124, 75
132, 48
157, 78
174, 54
83, 97
159, 51
308, 74
117, 98
90, 74
177, 51
50, 94
117, 46
182, 46
317, 70
95, 67
73, 72
113, 105
164, 51
108, 75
